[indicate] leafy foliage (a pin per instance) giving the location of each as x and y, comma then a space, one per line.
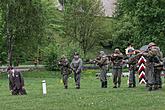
82, 22
140, 22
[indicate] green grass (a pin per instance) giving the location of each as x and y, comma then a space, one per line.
89, 97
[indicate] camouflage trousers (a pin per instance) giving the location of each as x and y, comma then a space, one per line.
150, 74
132, 78
157, 77
103, 74
77, 77
65, 80
117, 72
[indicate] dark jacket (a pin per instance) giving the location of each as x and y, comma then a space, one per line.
16, 80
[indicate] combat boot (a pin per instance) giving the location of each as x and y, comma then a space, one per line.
105, 86
78, 87
114, 86
102, 84
130, 86
156, 87
66, 87
160, 86
150, 88
134, 85
118, 85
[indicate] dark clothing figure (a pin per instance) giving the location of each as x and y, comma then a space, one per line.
76, 66
158, 67
65, 71
16, 82
117, 58
102, 61
152, 73
132, 63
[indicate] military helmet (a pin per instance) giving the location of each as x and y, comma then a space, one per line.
151, 44
102, 53
63, 56
117, 50
76, 53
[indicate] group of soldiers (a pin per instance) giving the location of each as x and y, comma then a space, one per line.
75, 66
153, 64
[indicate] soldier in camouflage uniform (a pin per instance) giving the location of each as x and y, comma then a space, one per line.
76, 66
158, 65
117, 58
151, 58
132, 62
65, 70
102, 61
132, 65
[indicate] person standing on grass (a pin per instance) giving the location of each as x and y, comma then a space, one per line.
155, 59
102, 61
132, 65
65, 70
16, 82
76, 66
117, 59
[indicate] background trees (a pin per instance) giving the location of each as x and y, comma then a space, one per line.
83, 22
36, 30
140, 22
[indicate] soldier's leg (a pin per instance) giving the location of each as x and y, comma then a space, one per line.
130, 78
102, 78
105, 78
119, 76
156, 79
75, 75
134, 78
115, 73
78, 77
146, 76
151, 80
65, 81
159, 79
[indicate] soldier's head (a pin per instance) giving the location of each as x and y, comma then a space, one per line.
76, 55
117, 50
9, 69
130, 44
102, 53
63, 57
151, 44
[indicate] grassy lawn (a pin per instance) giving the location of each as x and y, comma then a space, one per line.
89, 97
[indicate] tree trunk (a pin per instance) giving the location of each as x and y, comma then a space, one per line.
9, 38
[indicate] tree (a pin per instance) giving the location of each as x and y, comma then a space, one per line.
140, 22
82, 22
22, 26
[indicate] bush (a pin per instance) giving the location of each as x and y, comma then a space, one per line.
51, 57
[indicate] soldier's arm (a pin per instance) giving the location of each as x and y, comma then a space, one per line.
80, 65
71, 65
